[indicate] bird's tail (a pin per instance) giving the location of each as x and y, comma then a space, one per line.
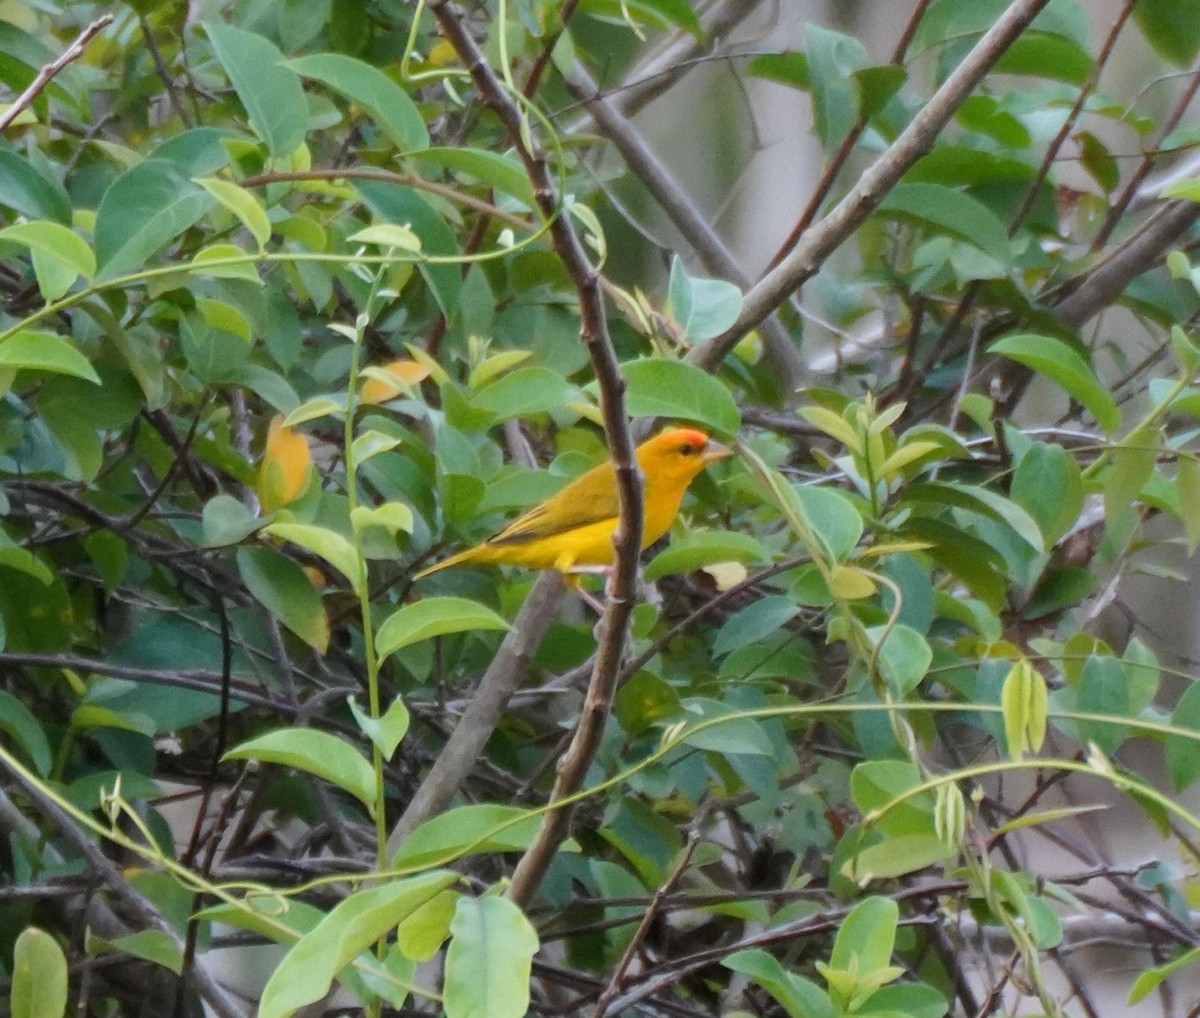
470, 555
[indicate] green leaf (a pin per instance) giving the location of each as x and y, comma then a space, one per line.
328, 544
832, 59
283, 587
867, 936
896, 856
422, 934
394, 517
226, 520
703, 308
1172, 27
387, 730
489, 960
1063, 365
43, 351
1187, 489
145, 208
58, 241
388, 235
979, 500
389, 105
1104, 689
1147, 982
750, 624
270, 93
1048, 484
904, 656
715, 726
905, 1000
313, 752
312, 409
309, 968
39, 976
832, 516
155, 946
501, 172
207, 262
23, 189
800, 997
523, 392
243, 204
788, 68
664, 388
1132, 465
15, 557
704, 549
19, 723
1183, 753
430, 617
951, 212
392, 204
467, 830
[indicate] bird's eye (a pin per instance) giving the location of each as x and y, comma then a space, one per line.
688, 450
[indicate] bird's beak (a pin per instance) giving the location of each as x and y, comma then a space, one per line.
714, 451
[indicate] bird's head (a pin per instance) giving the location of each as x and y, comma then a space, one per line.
679, 454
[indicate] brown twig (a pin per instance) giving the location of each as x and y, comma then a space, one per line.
614, 624
47, 73
682, 212
914, 141
1031, 192
618, 977
141, 907
543, 58
834, 166
1121, 203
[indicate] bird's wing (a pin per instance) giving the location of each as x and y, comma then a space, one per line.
589, 498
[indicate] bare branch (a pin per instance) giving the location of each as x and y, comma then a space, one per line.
696, 229
141, 907
47, 73
914, 141
504, 674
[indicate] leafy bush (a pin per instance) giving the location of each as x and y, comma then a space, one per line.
300, 295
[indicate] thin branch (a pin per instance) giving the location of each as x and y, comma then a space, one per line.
543, 58
200, 679
677, 55
1121, 203
47, 73
140, 907
696, 229
835, 165
164, 73
648, 917
914, 141
614, 624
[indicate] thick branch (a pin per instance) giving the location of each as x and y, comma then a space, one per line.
914, 141
504, 674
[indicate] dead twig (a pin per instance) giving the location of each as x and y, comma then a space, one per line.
47, 73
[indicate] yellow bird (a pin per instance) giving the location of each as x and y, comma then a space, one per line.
574, 528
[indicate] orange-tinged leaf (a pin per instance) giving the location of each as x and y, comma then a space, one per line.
384, 383
285, 468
